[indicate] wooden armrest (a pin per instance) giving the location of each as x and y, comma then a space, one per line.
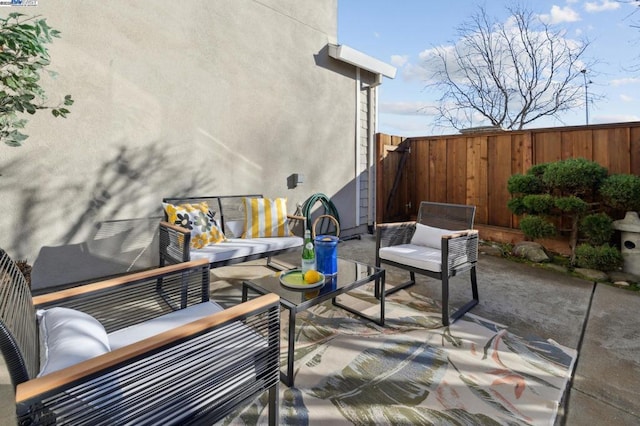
294, 217
40, 385
115, 282
458, 234
175, 227
382, 226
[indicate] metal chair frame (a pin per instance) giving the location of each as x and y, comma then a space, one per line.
180, 376
454, 217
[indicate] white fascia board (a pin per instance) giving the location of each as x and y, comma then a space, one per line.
356, 58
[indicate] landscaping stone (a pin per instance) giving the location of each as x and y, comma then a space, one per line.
558, 268
531, 251
623, 276
592, 274
621, 284
491, 250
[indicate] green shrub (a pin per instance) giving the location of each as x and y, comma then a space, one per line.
516, 206
603, 258
571, 204
525, 184
534, 227
538, 204
574, 176
621, 192
597, 228
538, 170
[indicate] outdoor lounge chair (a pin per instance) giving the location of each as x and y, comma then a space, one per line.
175, 357
440, 244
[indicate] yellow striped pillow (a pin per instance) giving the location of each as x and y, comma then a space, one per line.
265, 218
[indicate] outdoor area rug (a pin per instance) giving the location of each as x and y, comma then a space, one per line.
414, 371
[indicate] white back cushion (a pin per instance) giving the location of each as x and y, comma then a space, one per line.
429, 236
68, 337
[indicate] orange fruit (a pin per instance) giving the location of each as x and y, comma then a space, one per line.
311, 276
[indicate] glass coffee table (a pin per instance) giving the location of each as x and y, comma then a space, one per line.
351, 275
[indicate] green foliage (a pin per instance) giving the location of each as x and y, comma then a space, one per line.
23, 56
538, 170
621, 191
574, 176
534, 227
597, 228
517, 206
603, 258
538, 204
525, 184
571, 204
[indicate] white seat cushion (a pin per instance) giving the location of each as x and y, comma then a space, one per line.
240, 247
135, 333
420, 257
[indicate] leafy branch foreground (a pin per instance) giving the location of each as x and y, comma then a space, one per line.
23, 56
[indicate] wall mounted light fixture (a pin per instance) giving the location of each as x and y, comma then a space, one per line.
294, 180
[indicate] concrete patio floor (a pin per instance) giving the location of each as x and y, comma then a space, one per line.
598, 320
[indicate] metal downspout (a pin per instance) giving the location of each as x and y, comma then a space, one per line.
371, 129
357, 153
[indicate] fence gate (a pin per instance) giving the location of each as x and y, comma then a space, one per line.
393, 199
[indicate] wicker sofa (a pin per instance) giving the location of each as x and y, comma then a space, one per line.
229, 213
174, 357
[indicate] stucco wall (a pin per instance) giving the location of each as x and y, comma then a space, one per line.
173, 98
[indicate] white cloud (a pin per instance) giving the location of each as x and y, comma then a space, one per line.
399, 60
626, 98
559, 14
624, 81
412, 72
614, 118
602, 6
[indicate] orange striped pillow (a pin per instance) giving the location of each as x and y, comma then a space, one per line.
265, 217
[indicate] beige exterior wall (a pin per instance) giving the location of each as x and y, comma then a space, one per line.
174, 98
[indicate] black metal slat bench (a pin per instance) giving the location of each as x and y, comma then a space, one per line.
195, 373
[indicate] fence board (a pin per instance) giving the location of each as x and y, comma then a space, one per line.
420, 152
635, 151
475, 168
438, 175
499, 156
456, 185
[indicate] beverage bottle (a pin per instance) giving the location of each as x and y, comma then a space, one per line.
308, 253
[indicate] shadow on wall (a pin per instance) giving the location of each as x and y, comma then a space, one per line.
130, 183
115, 247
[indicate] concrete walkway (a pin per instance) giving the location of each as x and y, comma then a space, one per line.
600, 321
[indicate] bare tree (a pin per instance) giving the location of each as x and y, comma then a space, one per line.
509, 73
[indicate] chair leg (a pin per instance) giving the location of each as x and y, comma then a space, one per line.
474, 284
445, 300
274, 405
405, 284
470, 304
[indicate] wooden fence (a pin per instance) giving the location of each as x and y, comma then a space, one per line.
473, 168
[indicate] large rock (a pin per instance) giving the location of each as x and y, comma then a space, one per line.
592, 274
531, 251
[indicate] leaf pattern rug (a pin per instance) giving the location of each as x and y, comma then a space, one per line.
414, 371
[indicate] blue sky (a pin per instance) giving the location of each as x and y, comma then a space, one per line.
397, 31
